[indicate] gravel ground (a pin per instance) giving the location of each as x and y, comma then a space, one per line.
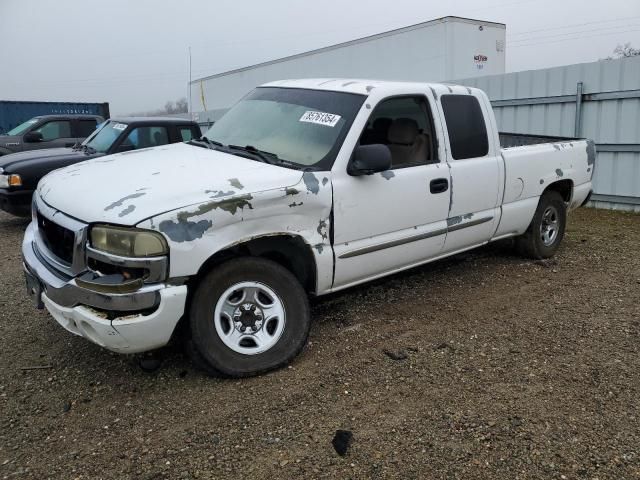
505, 368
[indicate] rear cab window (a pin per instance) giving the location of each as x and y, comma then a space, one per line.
186, 133
85, 127
145, 137
466, 126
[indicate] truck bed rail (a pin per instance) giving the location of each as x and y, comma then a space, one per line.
508, 140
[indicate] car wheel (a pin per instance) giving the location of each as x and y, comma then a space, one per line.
247, 316
544, 235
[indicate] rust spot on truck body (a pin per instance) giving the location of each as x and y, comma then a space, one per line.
183, 230
234, 182
311, 182
231, 205
127, 211
119, 203
322, 229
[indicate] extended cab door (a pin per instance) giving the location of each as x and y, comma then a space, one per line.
476, 169
392, 220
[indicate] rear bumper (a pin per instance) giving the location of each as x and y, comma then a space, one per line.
125, 323
581, 194
586, 200
16, 202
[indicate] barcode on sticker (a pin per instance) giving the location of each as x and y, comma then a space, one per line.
321, 118
120, 126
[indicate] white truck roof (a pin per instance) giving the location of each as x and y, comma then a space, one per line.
364, 86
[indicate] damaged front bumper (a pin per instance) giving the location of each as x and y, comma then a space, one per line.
130, 322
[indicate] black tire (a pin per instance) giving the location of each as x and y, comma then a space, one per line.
208, 351
531, 244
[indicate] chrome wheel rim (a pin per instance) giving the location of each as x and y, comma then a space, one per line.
249, 318
549, 226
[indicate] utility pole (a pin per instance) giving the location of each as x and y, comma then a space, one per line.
189, 85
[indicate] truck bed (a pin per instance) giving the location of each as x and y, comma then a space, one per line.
509, 140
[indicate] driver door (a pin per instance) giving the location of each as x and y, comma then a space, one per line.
392, 220
55, 134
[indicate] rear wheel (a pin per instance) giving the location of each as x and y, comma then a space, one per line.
544, 235
248, 316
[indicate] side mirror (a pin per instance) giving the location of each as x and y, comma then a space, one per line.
32, 137
369, 159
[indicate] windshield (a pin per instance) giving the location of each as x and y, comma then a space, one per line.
20, 129
102, 139
305, 127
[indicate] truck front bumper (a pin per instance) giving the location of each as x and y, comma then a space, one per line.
16, 202
124, 323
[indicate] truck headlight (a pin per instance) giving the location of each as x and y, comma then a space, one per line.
10, 180
128, 242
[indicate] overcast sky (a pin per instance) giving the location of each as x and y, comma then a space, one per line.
133, 53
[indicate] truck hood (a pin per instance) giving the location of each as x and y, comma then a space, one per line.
129, 187
50, 157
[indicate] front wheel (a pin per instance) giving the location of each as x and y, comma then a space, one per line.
248, 316
544, 235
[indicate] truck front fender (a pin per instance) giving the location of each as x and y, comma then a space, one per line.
197, 233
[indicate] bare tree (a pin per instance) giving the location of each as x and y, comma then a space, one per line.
179, 106
626, 50
182, 106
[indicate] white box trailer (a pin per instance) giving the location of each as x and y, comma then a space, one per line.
437, 50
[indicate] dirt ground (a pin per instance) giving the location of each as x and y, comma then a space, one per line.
513, 369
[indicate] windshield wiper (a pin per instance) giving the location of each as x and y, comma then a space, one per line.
266, 157
210, 144
86, 148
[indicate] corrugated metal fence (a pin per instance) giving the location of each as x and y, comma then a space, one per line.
599, 100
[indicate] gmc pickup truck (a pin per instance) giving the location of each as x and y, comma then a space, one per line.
21, 172
303, 187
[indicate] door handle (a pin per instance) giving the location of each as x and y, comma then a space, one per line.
439, 185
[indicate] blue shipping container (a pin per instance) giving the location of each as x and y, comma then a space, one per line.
13, 113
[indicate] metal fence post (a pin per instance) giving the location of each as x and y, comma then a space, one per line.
578, 120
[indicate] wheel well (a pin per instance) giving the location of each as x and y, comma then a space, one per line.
290, 251
563, 187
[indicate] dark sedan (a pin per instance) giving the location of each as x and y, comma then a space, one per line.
21, 172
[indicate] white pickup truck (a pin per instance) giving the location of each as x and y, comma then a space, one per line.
303, 187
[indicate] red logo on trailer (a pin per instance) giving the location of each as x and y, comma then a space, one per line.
480, 60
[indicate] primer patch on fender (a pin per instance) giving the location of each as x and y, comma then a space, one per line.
183, 230
320, 118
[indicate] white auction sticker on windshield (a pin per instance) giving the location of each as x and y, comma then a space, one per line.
321, 118
120, 126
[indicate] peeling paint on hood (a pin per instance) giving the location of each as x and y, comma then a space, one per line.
173, 177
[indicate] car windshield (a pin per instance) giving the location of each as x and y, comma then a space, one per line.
102, 139
303, 127
23, 127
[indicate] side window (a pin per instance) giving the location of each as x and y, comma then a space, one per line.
144, 137
465, 123
404, 125
186, 133
55, 129
86, 127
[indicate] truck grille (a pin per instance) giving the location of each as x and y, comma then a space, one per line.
57, 239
